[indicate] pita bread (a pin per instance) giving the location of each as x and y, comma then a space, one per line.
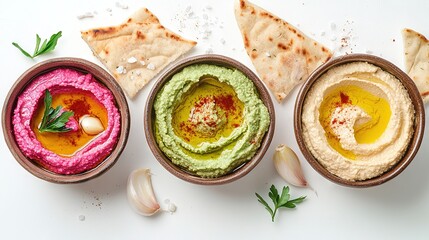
416, 50
282, 55
135, 51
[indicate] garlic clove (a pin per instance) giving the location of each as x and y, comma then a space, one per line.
140, 192
288, 166
91, 125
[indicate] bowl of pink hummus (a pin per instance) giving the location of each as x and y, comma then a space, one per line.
66, 120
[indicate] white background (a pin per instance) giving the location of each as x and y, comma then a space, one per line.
32, 208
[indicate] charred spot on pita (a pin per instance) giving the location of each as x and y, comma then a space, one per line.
242, 4
140, 35
292, 29
172, 36
282, 46
300, 36
97, 31
246, 40
304, 52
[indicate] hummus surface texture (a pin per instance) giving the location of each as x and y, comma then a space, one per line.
357, 120
209, 119
64, 81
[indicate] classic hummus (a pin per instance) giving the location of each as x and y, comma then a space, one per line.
209, 119
357, 120
74, 151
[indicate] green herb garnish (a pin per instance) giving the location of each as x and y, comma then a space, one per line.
47, 46
51, 122
279, 200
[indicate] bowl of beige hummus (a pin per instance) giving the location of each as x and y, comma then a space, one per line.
66, 120
359, 120
209, 119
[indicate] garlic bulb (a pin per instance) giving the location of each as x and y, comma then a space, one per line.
91, 125
140, 192
288, 166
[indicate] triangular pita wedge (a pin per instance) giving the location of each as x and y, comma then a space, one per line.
135, 51
282, 55
416, 50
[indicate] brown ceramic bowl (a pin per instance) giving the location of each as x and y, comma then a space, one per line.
83, 66
150, 119
419, 123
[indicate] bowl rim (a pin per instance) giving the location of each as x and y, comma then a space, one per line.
219, 60
419, 122
80, 65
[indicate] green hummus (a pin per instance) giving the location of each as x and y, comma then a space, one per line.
209, 119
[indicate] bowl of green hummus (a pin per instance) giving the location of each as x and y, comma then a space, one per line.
209, 119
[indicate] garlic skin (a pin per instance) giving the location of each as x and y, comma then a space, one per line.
288, 166
91, 125
140, 192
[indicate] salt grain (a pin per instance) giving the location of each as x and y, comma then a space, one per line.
198, 21
132, 60
151, 66
207, 33
171, 207
121, 5
85, 15
121, 70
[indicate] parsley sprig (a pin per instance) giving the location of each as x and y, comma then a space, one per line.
46, 46
51, 122
280, 201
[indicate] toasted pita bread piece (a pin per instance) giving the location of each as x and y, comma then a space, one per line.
282, 55
416, 50
135, 51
